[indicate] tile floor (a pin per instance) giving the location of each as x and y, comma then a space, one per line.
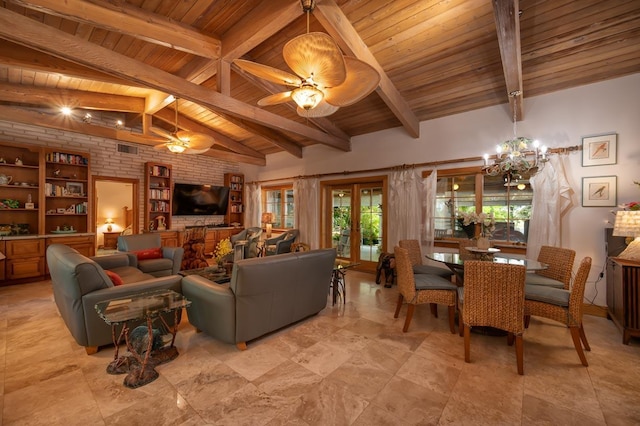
351, 364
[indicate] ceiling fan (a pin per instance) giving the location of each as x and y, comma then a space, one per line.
325, 79
183, 141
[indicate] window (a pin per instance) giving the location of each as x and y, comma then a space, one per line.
279, 201
469, 190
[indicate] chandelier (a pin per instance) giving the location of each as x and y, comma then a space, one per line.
516, 156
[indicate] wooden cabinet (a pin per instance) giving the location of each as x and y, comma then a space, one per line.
623, 296
25, 258
235, 208
20, 188
66, 192
157, 189
169, 239
110, 240
3, 262
213, 236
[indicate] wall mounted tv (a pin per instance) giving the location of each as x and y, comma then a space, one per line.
190, 199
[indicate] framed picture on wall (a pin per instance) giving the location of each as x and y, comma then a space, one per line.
599, 150
600, 191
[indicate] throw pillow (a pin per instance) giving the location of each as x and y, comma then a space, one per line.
115, 278
154, 253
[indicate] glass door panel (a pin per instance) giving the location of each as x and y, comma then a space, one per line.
370, 214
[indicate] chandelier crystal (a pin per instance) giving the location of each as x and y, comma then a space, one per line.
516, 156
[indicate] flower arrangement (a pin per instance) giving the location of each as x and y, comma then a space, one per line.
634, 205
487, 221
223, 248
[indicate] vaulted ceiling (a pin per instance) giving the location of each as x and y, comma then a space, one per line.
435, 58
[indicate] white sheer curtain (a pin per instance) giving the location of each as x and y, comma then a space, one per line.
405, 206
253, 205
551, 198
430, 188
306, 196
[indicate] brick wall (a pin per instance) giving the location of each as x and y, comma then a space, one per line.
107, 161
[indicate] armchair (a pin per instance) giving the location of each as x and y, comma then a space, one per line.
167, 261
251, 236
282, 243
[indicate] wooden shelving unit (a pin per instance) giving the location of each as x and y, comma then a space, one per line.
158, 187
235, 209
66, 192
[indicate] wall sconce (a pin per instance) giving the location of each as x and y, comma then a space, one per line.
267, 219
109, 223
119, 124
87, 118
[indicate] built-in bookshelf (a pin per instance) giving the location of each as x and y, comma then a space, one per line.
235, 208
66, 192
158, 187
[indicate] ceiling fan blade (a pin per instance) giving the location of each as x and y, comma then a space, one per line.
195, 151
362, 79
322, 110
196, 141
316, 55
275, 99
268, 73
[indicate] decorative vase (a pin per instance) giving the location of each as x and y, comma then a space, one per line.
483, 243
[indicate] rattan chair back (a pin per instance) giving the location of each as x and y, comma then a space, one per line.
404, 273
413, 247
560, 261
464, 253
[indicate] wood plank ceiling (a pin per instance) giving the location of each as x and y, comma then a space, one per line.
436, 58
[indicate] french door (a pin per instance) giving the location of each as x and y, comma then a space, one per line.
354, 221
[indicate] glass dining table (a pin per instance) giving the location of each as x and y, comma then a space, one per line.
455, 262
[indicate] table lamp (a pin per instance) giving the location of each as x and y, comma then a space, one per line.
267, 219
109, 222
627, 224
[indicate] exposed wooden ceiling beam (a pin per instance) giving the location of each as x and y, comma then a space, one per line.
17, 56
186, 123
329, 14
19, 29
132, 21
57, 98
507, 16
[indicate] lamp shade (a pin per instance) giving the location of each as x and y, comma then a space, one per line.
627, 223
267, 217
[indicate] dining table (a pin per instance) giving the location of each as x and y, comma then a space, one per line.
455, 262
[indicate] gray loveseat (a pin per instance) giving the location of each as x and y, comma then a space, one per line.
80, 282
264, 294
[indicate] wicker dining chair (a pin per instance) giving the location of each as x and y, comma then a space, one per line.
562, 305
558, 273
422, 288
415, 255
464, 253
493, 296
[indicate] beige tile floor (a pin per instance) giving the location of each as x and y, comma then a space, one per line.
351, 364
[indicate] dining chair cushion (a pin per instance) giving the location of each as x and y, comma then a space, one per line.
534, 279
434, 270
432, 282
546, 294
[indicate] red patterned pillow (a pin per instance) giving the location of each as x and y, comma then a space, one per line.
154, 253
115, 278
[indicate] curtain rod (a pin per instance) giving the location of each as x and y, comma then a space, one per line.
564, 150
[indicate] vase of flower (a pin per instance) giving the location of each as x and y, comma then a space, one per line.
483, 243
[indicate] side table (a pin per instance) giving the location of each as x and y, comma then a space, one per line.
146, 350
111, 240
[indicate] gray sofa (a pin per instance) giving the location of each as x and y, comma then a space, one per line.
264, 294
80, 282
171, 259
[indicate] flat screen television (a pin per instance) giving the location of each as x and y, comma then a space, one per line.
190, 199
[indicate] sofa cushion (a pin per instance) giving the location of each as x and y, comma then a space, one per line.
150, 266
115, 278
152, 253
130, 274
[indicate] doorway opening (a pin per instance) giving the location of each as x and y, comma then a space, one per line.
115, 210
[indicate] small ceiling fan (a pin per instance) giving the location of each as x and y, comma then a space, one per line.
325, 80
183, 141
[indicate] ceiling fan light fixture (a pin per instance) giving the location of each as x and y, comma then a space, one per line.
175, 147
307, 96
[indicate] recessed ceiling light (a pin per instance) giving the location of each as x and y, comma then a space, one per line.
66, 110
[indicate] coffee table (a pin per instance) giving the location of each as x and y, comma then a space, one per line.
212, 273
145, 356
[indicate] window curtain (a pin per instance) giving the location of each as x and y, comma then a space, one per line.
253, 205
430, 189
306, 210
405, 206
551, 198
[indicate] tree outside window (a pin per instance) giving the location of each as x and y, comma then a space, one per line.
279, 201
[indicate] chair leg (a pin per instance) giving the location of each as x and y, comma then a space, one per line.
407, 321
575, 335
398, 306
520, 354
467, 343
434, 309
460, 323
90, 350
583, 337
452, 319
510, 339
527, 319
